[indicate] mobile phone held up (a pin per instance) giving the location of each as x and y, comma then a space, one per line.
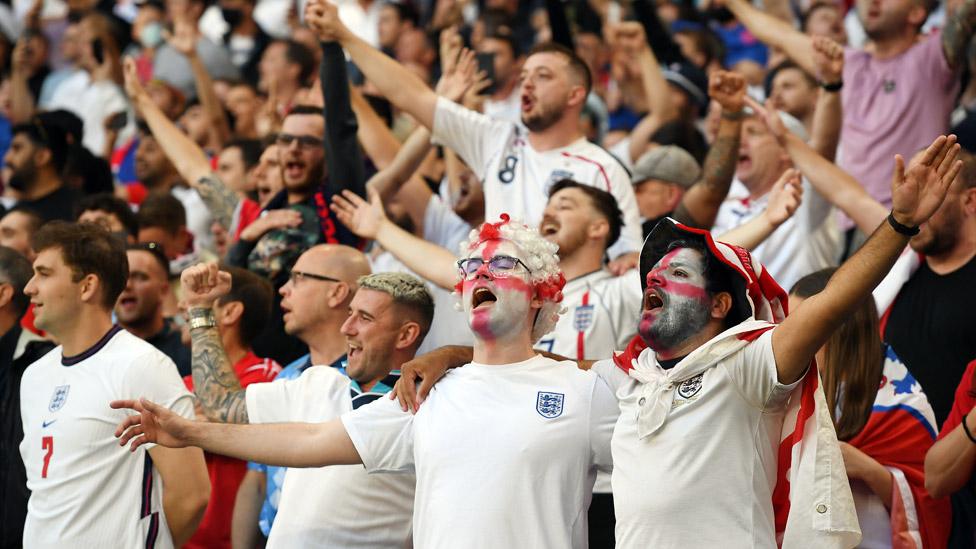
118, 121
98, 51
486, 63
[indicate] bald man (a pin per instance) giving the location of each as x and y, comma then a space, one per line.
315, 303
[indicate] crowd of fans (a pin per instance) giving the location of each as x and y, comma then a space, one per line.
291, 184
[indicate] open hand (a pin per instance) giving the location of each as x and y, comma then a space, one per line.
133, 87
450, 48
462, 74
784, 198
828, 56
203, 284
916, 193
152, 423
628, 36
728, 89
275, 219
184, 37
363, 218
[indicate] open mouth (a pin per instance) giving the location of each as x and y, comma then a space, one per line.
353, 349
294, 169
127, 301
549, 227
527, 103
652, 301
482, 296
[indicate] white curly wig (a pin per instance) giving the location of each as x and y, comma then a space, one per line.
547, 278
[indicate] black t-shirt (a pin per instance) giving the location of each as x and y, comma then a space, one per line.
58, 205
932, 328
169, 341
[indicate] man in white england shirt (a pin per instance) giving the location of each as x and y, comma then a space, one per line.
516, 166
507, 448
85, 490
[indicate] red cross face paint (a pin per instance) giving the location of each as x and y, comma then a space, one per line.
497, 303
676, 303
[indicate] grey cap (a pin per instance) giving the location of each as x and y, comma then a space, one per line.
668, 163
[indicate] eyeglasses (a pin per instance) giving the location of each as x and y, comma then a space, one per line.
499, 265
297, 276
304, 141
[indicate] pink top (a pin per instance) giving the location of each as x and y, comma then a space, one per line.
892, 106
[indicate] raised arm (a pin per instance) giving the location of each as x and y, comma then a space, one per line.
699, 205
184, 40
21, 101
775, 32
958, 31
833, 183
342, 152
367, 220
377, 140
784, 199
559, 24
215, 384
187, 157
281, 444
828, 114
916, 195
665, 48
403, 88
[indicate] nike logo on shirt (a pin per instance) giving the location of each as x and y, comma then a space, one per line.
46, 424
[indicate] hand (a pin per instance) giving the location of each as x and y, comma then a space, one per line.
918, 192
203, 285
474, 98
275, 219
450, 48
770, 117
20, 61
728, 89
363, 218
784, 198
624, 263
629, 37
130, 75
856, 462
455, 83
153, 423
323, 17
184, 37
428, 369
828, 56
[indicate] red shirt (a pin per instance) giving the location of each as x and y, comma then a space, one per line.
226, 473
962, 404
250, 210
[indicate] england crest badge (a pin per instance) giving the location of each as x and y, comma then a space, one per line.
690, 387
582, 318
59, 397
549, 405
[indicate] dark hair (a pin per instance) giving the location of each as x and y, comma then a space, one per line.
68, 121
251, 150
88, 249
576, 64
305, 109
853, 361
154, 249
255, 294
162, 210
786, 65
34, 219
820, 4
16, 270
683, 134
91, 173
108, 203
299, 54
504, 34
405, 12
707, 42
46, 135
602, 201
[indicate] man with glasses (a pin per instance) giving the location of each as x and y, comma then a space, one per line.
37, 154
18, 349
508, 446
379, 320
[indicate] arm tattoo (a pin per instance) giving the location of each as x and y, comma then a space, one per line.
220, 200
957, 32
714, 184
214, 381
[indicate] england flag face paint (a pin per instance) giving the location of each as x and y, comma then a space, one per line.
497, 303
676, 302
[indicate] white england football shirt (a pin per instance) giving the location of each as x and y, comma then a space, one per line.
338, 507
86, 490
805, 243
706, 478
602, 312
505, 455
517, 178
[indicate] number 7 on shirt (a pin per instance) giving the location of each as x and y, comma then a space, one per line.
47, 443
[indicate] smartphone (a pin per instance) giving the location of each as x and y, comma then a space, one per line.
98, 52
118, 120
486, 63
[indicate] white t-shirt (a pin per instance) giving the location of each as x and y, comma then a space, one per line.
872, 517
505, 455
92, 102
517, 178
805, 243
86, 490
198, 217
706, 478
336, 507
602, 312
508, 109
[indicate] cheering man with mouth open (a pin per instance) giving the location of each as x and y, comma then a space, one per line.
508, 446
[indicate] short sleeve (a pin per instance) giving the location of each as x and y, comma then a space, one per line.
814, 209
442, 226
612, 376
474, 136
259, 467
753, 370
383, 435
623, 190
306, 398
625, 306
603, 416
962, 404
154, 377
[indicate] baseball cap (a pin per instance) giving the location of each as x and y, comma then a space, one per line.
668, 163
691, 80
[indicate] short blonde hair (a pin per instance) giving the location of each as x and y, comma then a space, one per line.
407, 291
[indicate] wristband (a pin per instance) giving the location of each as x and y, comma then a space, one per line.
901, 229
966, 428
833, 86
202, 318
734, 116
